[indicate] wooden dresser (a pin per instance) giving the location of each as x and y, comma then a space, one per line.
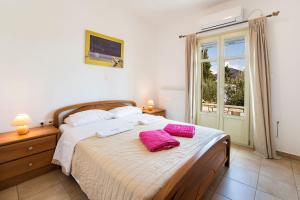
156, 111
25, 156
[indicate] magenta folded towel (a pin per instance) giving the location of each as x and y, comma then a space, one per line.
158, 140
180, 130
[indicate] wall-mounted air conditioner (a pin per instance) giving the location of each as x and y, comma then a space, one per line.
223, 18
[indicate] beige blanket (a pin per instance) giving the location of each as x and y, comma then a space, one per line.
120, 167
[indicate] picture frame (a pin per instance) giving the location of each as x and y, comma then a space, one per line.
103, 50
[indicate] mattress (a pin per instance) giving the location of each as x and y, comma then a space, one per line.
120, 167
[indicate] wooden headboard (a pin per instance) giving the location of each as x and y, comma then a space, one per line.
102, 105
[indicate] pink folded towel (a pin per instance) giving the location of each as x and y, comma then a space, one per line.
180, 130
158, 140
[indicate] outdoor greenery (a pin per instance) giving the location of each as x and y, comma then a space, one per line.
234, 87
234, 84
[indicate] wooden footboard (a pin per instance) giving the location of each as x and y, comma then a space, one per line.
194, 178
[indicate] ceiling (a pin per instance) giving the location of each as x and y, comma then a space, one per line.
158, 11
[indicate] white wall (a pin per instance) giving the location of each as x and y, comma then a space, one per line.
284, 48
42, 57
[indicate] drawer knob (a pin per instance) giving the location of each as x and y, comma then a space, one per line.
30, 165
30, 148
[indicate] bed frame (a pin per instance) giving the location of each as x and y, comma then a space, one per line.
193, 179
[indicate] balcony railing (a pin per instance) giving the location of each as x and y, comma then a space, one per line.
228, 109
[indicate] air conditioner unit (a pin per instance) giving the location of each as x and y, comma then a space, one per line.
223, 18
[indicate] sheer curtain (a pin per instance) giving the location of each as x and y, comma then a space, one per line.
191, 78
261, 88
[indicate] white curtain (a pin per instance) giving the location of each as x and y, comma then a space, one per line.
191, 78
260, 84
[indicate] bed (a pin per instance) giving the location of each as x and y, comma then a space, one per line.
119, 167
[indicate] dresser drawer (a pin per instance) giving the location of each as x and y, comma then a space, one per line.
26, 148
26, 164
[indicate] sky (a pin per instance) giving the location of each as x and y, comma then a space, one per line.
233, 47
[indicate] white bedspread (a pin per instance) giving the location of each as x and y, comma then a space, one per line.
121, 168
72, 135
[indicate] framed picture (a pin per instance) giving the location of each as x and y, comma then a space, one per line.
103, 50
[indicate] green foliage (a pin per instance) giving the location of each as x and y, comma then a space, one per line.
234, 87
234, 84
209, 82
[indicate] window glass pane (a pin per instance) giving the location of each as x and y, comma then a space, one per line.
209, 83
234, 47
209, 51
234, 99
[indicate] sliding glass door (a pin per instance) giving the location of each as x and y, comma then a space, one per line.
223, 89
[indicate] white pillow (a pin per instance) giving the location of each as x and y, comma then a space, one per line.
88, 116
124, 111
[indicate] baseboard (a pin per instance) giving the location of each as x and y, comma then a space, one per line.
288, 155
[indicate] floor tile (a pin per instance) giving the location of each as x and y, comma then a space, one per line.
297, 180
275, 172
219, 197
9, 194
235, 190
38, 184
73, 189
246, 164
277, 188
282, 164
264, 196
55, 192
245, 176
296, 166
251, 155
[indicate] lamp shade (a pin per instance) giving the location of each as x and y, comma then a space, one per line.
150, 102
21, 120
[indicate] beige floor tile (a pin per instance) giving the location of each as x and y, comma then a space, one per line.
277, 188
251, 155
296, 166
282, 164
9, 193
219, 197
246, 163
55, 192
297, 180
284, 175
73, 189
235, 190
242, 175
265, 196
38, 184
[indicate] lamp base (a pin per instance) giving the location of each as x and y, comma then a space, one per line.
22, 130
150, 108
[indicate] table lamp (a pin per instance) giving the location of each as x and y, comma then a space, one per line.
150, 104
21, 121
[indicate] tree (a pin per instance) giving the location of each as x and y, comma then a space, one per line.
234, 87
209, 81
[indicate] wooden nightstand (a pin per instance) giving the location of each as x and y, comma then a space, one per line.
25, 156
156, 111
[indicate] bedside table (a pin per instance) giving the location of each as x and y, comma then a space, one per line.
156, 111
25, 156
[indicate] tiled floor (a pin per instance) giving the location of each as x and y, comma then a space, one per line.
249, 177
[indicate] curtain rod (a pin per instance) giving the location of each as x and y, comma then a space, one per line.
228, 25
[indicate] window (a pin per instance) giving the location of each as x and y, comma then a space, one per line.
234, 76
209, 74
222, 68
